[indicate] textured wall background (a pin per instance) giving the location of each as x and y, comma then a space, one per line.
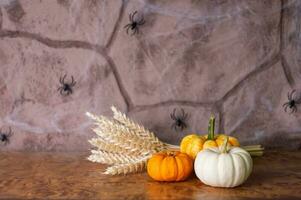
235, 59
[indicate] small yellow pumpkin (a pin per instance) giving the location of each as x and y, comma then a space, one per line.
170, 166
192, 144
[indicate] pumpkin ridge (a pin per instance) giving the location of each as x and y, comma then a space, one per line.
245, 164
175, 167
217, 171
162, 168
180, 169
233, 169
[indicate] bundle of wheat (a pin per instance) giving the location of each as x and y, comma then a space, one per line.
123, 144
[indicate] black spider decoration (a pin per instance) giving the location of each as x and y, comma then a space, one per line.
292, 102
66, 88
134, 23
179, 120
4, 137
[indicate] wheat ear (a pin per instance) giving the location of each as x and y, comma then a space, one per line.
135, 127
103, 145
112, 158
127, 168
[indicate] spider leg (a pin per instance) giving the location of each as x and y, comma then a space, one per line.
285, 105
182, 126
172, 116
292, 110
127, 30
62, 92
285, 108
128, 25
176, 128
174, 113
63, 80
59, 88
292, 93
134, 15
72, 81
130, 17
185, 116
135, 30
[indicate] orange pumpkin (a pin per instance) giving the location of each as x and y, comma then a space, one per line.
169, 166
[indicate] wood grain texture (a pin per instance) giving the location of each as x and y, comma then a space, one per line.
277, 175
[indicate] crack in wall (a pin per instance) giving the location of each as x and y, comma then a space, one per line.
121, 87
284, 64
117, 25
58, 44
1, 18
287, 71
263, 67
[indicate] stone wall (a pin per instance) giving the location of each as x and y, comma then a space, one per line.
234, 59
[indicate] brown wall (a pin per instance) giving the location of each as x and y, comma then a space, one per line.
234, 59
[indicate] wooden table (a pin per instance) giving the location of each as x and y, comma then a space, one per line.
277, 175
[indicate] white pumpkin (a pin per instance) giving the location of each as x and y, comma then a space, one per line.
223, 166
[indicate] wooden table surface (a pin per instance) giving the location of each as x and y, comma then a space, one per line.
276, 175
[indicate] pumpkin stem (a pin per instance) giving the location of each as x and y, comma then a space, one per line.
211, 128
225, 145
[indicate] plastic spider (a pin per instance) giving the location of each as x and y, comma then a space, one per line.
4, 137
134, 24
179, 120
66, 88
292, 102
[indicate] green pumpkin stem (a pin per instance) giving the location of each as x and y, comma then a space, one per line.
225, 145
211, 128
